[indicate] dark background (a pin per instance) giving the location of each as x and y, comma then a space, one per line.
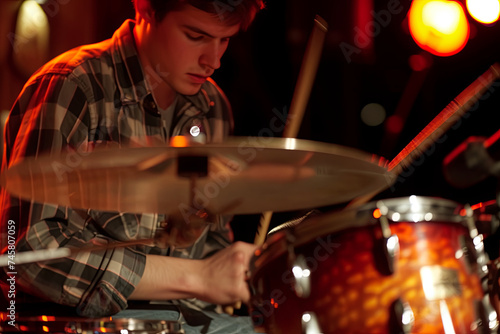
260, 69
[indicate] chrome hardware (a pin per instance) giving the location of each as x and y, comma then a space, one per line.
440, 283
389, 242
302, 277
487, 319
494, 283
402, 318
310, 324
478, 244
301, 273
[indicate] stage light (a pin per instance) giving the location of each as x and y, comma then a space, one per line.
30, 41
484, 11
439, 26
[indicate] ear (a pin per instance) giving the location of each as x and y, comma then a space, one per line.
144, 10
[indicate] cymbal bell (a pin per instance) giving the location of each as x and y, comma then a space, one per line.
238, 176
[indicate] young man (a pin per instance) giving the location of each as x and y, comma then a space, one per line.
149, 82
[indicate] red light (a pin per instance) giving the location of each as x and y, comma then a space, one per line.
394, 124
419, 62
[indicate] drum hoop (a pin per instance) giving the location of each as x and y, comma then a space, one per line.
278, 245
444, 211
132, 325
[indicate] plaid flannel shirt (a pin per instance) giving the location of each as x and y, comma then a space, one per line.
89, 96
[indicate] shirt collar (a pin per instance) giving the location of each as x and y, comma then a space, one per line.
128, 70
130, 75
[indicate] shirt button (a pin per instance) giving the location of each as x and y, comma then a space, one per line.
150, 106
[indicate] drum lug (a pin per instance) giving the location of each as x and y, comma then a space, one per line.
302, 277
389, 243
401, 318
487, 316
301, 274
494, 284
469, 254
487, 322
310, 323
481, 258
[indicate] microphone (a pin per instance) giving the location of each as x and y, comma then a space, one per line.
473, 161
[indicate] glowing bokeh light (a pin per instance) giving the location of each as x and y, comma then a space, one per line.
373, 114
439, 26
394, 124
484, 11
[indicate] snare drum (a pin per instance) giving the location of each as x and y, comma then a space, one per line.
404, 265
69, 325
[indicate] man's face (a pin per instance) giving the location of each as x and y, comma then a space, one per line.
185, 48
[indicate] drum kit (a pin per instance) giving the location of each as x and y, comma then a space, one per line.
405, 265
397, 265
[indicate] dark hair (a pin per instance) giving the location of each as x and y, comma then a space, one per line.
228, 11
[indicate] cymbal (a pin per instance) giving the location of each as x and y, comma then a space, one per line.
239, 176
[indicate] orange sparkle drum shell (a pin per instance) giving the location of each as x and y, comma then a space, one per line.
351, 290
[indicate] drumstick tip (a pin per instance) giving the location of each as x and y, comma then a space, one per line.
321, 23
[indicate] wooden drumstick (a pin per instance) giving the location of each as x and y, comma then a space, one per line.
265, 220
260, 237
301, 95
306, 77
298, 105
439, 125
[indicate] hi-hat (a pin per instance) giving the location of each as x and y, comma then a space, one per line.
238, 176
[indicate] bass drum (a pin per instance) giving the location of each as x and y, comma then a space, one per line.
404, 265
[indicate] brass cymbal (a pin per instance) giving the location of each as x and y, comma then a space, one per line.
239, 176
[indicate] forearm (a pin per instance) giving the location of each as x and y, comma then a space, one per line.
166, 278
218, 279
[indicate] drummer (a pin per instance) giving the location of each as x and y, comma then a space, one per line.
148, 83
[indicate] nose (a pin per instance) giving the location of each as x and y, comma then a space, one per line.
212, 53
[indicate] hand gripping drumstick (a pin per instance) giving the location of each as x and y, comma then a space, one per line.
300, 98
439, 125
299, 101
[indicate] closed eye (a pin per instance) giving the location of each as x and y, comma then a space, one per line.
194, 37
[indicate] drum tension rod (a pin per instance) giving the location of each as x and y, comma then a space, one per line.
478, 244
401, 319
389, 242
486, 313
301, 273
